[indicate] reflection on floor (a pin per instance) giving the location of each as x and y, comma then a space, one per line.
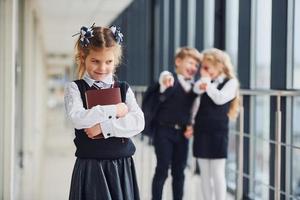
58, 155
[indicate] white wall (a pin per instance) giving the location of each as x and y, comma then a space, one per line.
34, 101
33, 87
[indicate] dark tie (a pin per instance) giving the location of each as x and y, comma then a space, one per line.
96, 86
188, 80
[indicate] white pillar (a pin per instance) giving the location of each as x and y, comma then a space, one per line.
34, 101
7, 96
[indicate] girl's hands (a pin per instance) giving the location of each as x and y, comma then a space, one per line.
203, 86
188, 132
95, 132
168, 81
122, 109
205, 77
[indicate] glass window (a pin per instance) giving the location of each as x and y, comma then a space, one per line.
232, 29
262, 39
260, 71
260, 147
297, 46
209, 18
231, 163
296, 149
231, 47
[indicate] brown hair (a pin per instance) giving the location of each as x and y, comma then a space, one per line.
102, 38
221, 58
188, 51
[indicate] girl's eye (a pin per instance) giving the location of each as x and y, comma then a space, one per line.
109, 61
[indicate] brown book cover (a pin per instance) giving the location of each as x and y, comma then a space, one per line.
109, 96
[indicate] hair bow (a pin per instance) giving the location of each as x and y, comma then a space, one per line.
117, 33
85, 34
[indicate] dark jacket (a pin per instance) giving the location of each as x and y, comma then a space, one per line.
170, 107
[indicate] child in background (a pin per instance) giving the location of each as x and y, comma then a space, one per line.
219, 102
104, 168
173, 105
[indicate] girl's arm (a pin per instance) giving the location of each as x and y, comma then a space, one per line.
131, 124
226, 94
201, 84
197, 84
79, 116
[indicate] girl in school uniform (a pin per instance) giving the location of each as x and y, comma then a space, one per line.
218, 87
104, 168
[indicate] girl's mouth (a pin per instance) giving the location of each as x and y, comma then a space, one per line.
100, 73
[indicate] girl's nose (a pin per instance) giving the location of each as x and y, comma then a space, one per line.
101, 66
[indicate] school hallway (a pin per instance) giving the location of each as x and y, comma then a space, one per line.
37, 60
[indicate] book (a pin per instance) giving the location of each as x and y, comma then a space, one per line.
109, 96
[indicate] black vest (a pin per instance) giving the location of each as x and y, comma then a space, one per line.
175, 105
211, 128
212, 118
110, 148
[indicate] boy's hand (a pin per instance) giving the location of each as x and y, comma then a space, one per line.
94, 132
168, 81
188, 132
122, 109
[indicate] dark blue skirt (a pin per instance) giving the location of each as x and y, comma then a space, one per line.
94, 179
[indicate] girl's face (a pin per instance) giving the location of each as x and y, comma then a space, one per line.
100, 63
187, 66
212, 66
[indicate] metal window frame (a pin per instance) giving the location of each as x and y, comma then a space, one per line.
199, 34
244, 59
171, 36
183, 22
289, 101
220, 24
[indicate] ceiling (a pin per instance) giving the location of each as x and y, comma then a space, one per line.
60, 19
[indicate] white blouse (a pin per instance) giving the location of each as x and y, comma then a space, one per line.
219, 97
131, 124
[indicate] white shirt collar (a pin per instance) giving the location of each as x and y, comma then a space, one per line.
179, 76
186, 84
107, 80
220, 79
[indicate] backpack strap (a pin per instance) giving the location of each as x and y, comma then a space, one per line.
81, 87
